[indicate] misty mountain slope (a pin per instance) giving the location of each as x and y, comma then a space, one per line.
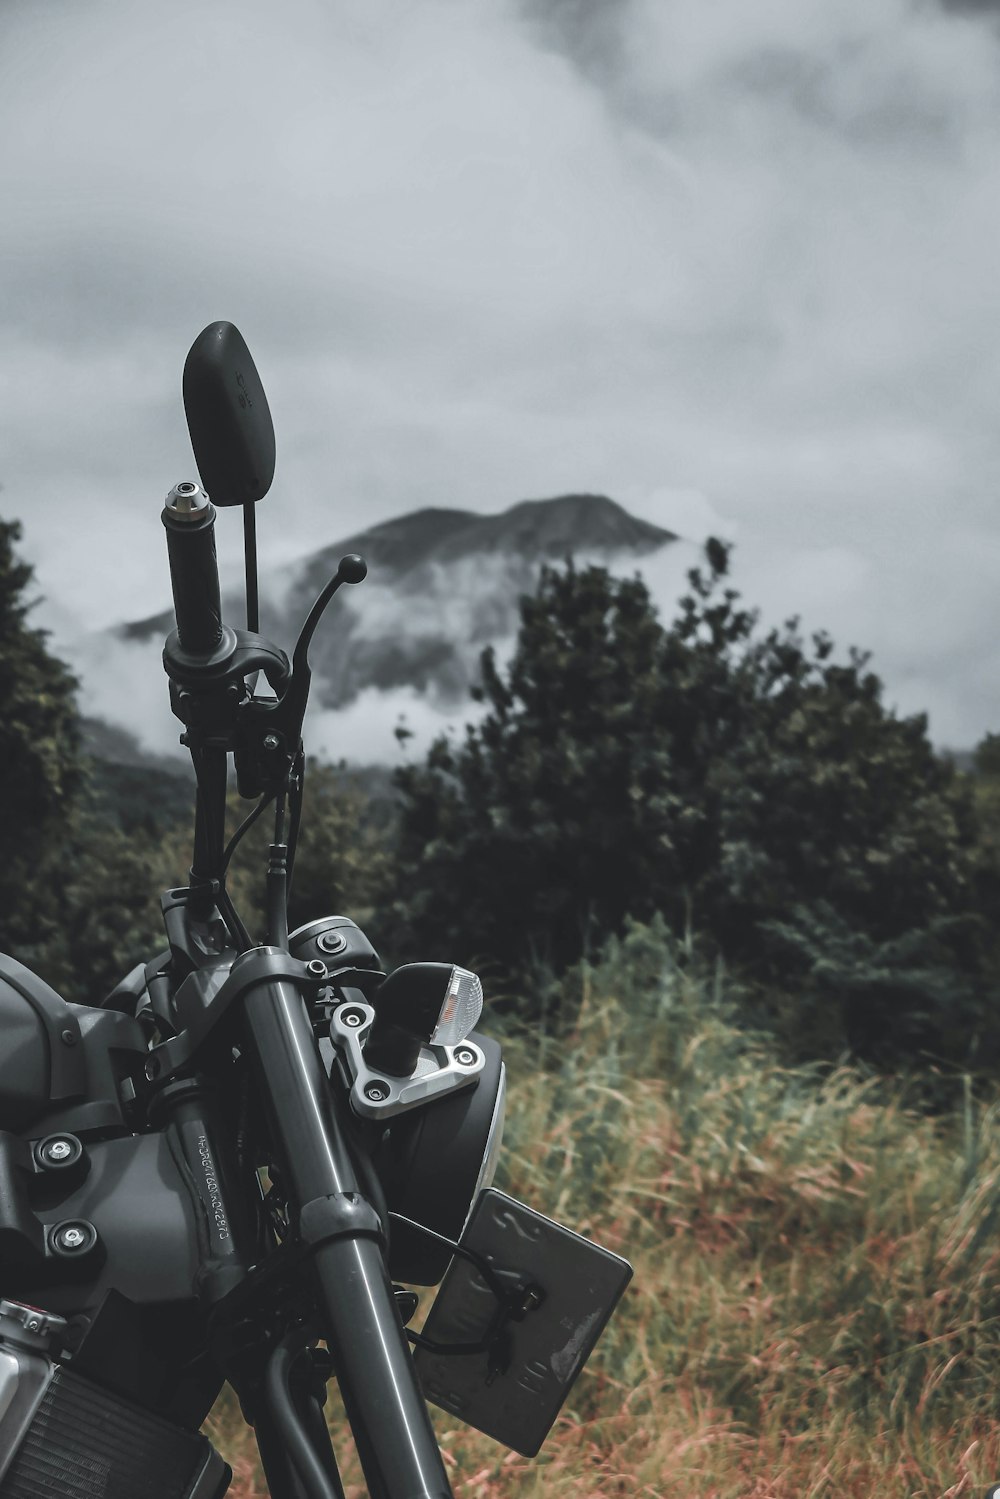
533, 529
441, 585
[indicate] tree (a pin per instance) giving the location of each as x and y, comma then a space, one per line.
729, 779
41, 767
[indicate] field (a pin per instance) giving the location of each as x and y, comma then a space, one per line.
816, 1302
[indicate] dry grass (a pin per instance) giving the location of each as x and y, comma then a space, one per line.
816, 1303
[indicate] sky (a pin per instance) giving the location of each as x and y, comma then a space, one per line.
734, 265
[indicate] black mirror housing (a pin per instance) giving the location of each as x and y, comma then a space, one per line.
228, 417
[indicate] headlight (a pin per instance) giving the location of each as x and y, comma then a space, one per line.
494, 1140
434, 1161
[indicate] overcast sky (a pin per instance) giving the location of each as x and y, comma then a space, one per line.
734, 264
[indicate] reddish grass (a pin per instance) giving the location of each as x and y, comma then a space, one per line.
816, 1303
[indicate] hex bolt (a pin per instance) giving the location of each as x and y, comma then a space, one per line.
466, 1057
58, 1150
71, 1238
376, 1092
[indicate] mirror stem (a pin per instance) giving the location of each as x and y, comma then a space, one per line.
250, 555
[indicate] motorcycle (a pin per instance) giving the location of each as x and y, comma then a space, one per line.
236, 1167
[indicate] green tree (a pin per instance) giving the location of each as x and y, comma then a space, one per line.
742, 783
97, 902
41, 766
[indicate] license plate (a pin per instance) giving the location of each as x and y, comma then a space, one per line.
545, 1349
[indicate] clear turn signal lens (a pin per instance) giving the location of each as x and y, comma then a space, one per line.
462, 1007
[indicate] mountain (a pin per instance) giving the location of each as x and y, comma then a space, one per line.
441, 585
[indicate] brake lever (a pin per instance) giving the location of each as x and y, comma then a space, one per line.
269, 733
209, 692
292, 707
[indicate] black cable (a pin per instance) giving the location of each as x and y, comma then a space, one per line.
298, 778
230, 915
245, 827
310, 1400
482, 1265
318, 1481
210, 831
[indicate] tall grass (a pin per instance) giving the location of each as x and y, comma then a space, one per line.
816, 1303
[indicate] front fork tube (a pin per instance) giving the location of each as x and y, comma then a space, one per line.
188, 1111
396, 1443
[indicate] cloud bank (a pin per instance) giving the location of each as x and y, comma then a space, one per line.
481, 252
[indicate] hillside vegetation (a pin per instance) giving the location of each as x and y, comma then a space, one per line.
793, 1131
751, 786
816, 1302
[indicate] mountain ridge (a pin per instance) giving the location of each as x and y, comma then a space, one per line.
442, 585
405, 546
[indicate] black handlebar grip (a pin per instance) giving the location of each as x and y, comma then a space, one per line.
189, 518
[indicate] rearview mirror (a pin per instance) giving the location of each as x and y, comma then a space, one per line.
228, 417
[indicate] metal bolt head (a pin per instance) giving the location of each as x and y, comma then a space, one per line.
187, 501
271, 742
376, 1092
331, 942
58, 1150
69, 1038
466, 1057
352, 1017
316, 968
71, 1238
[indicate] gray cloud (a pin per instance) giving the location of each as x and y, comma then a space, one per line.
591, 33
987, 8
744, 255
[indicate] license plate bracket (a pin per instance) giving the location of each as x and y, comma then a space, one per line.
544, 1348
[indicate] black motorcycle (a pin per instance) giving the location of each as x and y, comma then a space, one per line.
235, 1167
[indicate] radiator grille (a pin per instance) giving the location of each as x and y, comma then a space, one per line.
87, 1444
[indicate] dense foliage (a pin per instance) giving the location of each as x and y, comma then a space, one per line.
743, 784
39, 740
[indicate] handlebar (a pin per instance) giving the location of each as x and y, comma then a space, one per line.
189, 519
339, 1231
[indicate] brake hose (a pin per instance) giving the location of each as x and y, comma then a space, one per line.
318, 1482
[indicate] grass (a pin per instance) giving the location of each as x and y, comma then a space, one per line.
816, 1302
